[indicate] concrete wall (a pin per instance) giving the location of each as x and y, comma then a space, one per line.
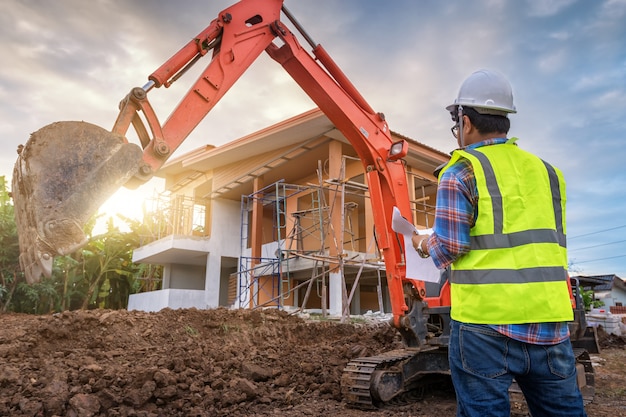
187, 277
619, 296
225, 227
611, 298
169, 298
225, 241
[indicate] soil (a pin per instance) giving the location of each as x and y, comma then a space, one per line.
200, 363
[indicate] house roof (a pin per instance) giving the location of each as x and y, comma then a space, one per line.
601, 282
298, 140
293, 131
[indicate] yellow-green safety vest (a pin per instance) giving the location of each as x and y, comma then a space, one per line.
516, 269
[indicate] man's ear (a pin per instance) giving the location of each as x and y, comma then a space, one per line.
467, 124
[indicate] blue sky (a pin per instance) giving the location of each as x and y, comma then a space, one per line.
566, 59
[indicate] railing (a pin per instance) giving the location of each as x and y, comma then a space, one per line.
174, 214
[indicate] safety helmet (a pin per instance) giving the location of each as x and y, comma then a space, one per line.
487, 92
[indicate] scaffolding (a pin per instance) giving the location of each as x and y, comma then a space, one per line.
302, 247
276, 285
423, 209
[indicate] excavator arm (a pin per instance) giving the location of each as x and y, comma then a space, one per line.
235, 40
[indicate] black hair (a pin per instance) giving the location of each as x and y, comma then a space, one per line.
487, 123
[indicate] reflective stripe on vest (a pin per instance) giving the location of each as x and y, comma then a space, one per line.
517, 249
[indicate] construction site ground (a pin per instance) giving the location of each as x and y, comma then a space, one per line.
197, 363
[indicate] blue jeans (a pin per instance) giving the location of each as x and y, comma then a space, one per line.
484, 362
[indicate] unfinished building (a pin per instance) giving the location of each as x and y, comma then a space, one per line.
279, 218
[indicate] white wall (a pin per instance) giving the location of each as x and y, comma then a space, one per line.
225, 227
171, 298
225, 240
187, 277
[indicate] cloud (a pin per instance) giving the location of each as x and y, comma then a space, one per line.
613, 9
546, 8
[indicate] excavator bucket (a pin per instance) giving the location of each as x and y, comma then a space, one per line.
63, 174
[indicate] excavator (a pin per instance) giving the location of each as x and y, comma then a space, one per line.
67, 169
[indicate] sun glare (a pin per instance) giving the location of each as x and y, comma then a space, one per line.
128, 203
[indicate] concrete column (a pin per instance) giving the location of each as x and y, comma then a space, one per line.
355, 306
336, 287
167, 276
212, 280
256, 234
335, 293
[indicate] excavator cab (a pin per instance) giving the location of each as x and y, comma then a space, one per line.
62, 175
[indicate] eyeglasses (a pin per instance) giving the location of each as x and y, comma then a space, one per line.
455, 130
454, 115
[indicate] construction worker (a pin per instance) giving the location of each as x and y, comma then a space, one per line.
500, 229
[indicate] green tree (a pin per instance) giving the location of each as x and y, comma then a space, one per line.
101, 275
9, 248
589, 301
109, 274
39, 298
148, 277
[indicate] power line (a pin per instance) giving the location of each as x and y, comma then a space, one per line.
599, 259
597, 246
599, 231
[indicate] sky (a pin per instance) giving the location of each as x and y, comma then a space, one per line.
565, 59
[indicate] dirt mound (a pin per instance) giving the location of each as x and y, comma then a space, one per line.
175, 363
609, 340
197, 363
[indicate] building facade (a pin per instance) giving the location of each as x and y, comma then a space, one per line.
279, 218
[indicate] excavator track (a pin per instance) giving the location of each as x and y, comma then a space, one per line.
391, 377
359, 373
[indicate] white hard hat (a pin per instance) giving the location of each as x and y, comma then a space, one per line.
486, 91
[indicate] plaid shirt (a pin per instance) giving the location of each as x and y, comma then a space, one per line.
457, 198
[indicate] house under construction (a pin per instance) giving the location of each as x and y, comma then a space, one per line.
279, 218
